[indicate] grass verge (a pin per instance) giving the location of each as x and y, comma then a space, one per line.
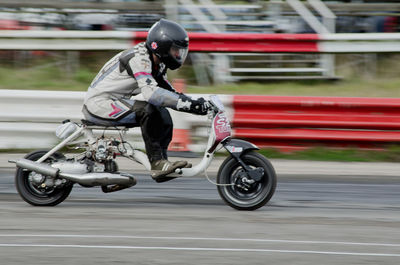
51, 77
392, 154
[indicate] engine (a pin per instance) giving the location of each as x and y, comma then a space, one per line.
100, 155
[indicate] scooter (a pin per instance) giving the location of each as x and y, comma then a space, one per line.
246, 180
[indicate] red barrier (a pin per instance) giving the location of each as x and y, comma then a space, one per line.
300, 122
246, 42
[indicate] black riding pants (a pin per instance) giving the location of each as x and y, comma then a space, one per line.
156, 125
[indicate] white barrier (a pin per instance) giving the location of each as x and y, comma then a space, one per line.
70, 40
120, 40
29, 118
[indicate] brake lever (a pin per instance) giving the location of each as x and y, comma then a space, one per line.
213, 108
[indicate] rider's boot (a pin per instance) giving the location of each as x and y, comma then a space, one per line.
161, 168
164, 154
188, 165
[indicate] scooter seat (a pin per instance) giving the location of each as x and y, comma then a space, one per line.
96, 125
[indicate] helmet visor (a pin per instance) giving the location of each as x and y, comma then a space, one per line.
178, 53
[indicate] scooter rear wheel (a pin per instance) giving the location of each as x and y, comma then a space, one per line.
238, 190
33, 193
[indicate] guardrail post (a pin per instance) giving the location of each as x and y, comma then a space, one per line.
329, 21
221, 67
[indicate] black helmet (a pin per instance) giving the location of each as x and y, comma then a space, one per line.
169, 42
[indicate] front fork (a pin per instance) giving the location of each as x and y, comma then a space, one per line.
238, 147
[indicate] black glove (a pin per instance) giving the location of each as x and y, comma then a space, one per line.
196, 106
199, 106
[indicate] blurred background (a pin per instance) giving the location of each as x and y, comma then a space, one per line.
77, 68
355, 45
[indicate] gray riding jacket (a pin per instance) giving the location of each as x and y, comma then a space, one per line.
130, 75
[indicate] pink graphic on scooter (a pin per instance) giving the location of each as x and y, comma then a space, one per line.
222, 129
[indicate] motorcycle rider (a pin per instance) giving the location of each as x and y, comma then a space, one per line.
132, 90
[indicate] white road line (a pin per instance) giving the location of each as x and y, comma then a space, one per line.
206, 239
206, 249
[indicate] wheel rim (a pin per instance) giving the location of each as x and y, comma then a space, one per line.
36, 191
255, 193
40, 194
241, 188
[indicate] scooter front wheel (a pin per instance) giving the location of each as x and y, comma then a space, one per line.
35, 194
238, 189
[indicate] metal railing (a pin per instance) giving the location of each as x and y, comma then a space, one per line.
286, 123
295, 123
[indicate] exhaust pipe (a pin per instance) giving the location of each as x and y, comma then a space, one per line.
100, 179
43, 169
88, 179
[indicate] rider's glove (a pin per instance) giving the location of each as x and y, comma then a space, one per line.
199, 106
196, 106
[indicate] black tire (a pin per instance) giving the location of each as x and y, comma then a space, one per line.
258, 194
34, 196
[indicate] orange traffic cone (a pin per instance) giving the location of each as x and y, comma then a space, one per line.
180, 141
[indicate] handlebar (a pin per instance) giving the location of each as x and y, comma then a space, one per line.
215, 103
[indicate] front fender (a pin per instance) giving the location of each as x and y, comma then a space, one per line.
237, 147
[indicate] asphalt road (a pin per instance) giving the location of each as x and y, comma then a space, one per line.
314, 219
